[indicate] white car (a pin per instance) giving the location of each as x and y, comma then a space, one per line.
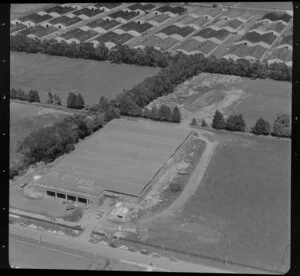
123, 247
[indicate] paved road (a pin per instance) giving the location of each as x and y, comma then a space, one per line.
69, 246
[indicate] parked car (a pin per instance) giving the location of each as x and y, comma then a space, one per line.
123, 247
131, 249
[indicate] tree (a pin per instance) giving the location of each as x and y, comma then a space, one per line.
111, 113
218, 120
20, 94
79, 103
147, 113
71, 100
176, 116
235, 122
33, 96
154, 113
203, 124
165, 113
127, 106
103, 104
194, 122
261, 127
56, 100
281, 126
13, 93
50, 99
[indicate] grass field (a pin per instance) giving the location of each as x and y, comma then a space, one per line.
241, 211
62, 75
282, 5
20, 10
200, 96
25, 118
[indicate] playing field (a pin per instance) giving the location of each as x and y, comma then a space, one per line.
62, 75
241, 210
121, 157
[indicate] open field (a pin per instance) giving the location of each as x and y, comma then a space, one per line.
200, 96
90, 78
19, 10
241, 210
25, 118
282, 5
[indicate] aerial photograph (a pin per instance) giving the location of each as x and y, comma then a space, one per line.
151, 136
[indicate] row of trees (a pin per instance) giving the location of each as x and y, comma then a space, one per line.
32, 96
127, 107
151, 57
48, 143
281, 126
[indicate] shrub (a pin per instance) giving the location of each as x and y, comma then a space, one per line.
176, 116
13, 93
235, 123
56, 100
147, 113
93, 108
281, 126
175, 187
218, 120
261, 127
203, 124
193, 122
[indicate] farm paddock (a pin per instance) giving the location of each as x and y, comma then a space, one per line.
240, 214
92, 79
120, 161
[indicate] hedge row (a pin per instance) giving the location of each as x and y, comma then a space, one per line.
149, 57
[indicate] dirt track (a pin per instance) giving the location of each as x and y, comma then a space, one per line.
193, 182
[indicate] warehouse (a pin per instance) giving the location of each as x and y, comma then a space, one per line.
119, 161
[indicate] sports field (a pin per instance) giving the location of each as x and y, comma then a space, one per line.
121, 157
241, 210
62, 75
202, 95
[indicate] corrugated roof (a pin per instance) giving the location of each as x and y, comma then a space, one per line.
121, 157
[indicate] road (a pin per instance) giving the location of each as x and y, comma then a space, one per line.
74, 248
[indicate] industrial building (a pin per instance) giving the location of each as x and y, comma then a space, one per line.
121, 160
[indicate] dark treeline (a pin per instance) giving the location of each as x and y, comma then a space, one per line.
150, 57
32, 96
50, 142
235, 122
